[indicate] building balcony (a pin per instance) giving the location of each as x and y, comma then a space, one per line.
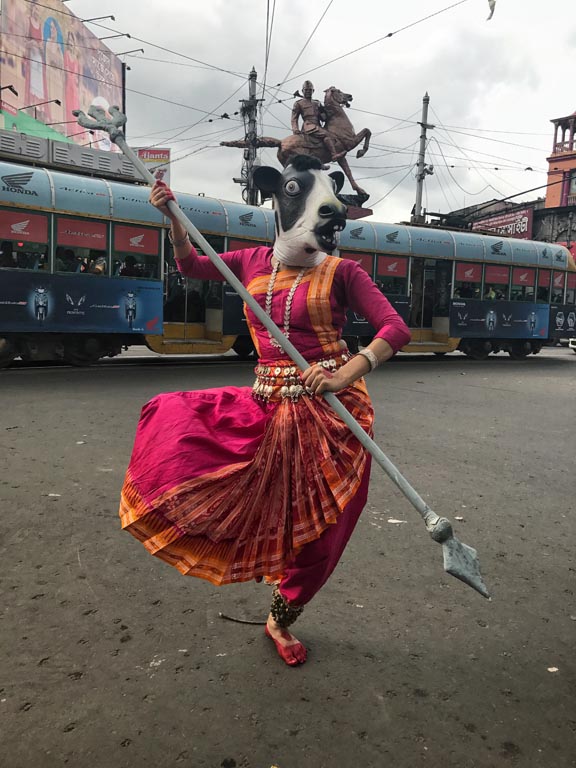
571, 200
563, 147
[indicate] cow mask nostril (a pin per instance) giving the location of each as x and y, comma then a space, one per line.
327, 211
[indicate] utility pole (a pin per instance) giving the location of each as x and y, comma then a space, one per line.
249, 112
423, 170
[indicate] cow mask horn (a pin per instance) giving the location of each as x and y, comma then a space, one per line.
308, 214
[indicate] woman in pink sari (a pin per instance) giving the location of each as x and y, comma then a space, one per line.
233, 484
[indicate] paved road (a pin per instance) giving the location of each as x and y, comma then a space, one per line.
111, 659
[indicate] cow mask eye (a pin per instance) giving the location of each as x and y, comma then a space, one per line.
292, 187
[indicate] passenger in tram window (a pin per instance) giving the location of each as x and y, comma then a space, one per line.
98, 264
490, 293
130, 267
40, 261
467, 291
66, 260
6, 255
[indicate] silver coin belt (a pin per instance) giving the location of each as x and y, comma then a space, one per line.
282, 380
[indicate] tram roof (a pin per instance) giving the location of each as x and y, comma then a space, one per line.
35, 187
429, 242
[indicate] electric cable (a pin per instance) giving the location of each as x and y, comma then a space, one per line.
393, 188
310, 36
378, 40
466, 191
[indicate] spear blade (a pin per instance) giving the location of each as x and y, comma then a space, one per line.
461, 561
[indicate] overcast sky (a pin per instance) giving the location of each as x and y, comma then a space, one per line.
501, 80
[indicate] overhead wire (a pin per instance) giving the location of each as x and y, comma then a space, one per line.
466, 191
214, 67
138, 39
378, 40
310, 36
453, 142
393, 188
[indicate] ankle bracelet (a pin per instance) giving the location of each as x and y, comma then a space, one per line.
282, 612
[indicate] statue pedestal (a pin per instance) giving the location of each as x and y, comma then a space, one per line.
354, 204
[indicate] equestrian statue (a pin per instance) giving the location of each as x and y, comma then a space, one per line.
325, 133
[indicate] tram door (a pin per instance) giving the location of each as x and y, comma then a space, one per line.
423, 292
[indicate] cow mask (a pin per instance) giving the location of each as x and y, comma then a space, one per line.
308, 214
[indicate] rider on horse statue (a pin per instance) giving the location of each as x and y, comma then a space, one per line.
313, 115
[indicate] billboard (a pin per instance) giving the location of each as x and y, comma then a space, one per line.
33, 302
157, 161
498, 320
516, 223
48, 55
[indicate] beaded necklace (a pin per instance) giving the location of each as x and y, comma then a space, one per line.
289, 299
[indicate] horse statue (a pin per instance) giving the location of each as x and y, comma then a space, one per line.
336, 124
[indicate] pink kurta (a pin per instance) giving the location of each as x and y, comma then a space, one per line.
232, 484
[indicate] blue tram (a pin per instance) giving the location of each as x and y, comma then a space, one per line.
86, 270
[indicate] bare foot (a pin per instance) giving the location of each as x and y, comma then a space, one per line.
289, 648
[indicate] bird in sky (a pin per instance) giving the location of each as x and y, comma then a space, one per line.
492, 4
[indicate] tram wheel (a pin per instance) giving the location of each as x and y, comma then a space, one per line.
8, 352
519, 350
477, 350
244, 347
82, 352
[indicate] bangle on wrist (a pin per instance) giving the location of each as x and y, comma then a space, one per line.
371, 357
176, 243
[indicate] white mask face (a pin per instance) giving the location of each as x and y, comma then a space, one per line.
298, 246
291, 253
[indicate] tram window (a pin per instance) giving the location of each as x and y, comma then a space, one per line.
468, 281
216, 241
81, 260
19, 255
523, 284
187, 298
543, 292
392, 275
571, 288
558, 280
214, 295
136, 265
496, 281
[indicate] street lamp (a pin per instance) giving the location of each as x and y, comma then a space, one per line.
10, 88
40, 103
111, 37
125, 53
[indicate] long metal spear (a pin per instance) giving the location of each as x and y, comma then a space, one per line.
460, 560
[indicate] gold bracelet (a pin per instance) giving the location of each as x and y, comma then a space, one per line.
176, 243
371, 357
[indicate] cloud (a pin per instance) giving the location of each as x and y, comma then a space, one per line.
481, 77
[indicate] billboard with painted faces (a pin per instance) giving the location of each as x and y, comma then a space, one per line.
48, 56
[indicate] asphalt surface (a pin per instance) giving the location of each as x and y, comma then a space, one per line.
110, 658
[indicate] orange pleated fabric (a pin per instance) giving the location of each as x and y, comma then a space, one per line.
248, 520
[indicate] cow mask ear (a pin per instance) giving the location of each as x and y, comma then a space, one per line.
266, 179
338, 179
